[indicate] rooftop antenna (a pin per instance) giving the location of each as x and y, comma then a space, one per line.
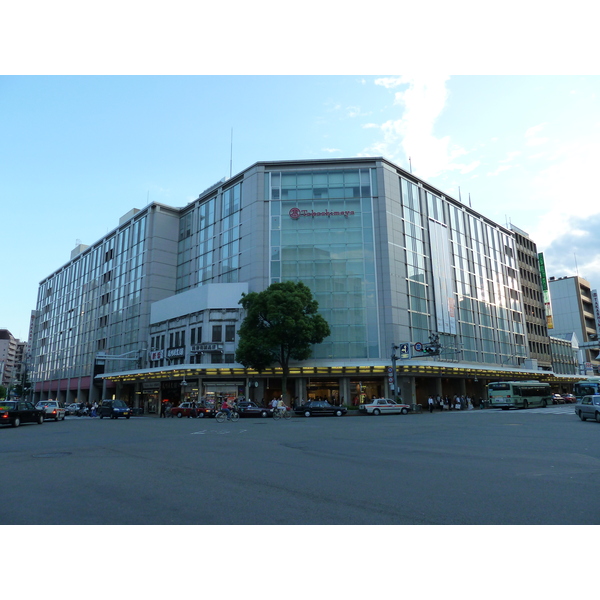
231, 156
470, 199
576, 267
409, 165
459, 198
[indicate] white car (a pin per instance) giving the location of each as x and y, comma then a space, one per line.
383, 406
52, 409
589, 408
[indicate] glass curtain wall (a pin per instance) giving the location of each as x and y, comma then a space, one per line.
322, 235
91, 306
475, 300
486, 286
417, 262
219, 235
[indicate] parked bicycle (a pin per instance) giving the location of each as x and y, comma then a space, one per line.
221, 416
281, 413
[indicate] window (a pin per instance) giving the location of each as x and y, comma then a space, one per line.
230, 333
217, 333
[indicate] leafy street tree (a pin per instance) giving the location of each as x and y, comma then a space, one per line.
281, 324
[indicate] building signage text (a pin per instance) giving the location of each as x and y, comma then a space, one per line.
296, 213
206, 347
176, 352
596, 309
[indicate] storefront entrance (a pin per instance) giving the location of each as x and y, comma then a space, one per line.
362, 390
324, 390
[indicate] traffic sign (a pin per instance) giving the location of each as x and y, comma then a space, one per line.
419, 347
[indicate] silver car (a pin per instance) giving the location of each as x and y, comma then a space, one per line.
589, 408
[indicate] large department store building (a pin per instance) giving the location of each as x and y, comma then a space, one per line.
150, 311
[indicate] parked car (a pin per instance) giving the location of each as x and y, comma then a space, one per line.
114, 409
383, 406
250, 409
320, 407
15, 412
187, 409
589, 408
557, 399
53, 409
569, 399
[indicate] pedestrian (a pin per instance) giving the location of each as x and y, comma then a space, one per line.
430, 403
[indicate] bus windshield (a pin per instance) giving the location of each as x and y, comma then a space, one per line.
587, 387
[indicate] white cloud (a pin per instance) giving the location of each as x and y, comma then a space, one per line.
576, 253
391, 82
412, 136
354, 111
532, 138
565, 190
510, 156
499, 170
330, 150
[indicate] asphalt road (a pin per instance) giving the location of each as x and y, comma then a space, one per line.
471, 467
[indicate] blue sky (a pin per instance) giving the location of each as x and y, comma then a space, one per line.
78, 152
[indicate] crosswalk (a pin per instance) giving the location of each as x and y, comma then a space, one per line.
561, 409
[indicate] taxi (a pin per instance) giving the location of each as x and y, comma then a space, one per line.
383, 406
52, 409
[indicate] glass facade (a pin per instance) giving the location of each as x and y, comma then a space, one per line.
475, 304
209, 241
91, 305
322, 234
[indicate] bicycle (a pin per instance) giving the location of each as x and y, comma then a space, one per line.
221, 416
281, 413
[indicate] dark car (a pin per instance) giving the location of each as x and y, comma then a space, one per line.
569, 399
250, 409
114, 409
15, 412
320, 407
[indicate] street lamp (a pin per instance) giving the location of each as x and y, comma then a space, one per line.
184, 384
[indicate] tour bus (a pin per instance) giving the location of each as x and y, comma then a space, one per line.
586, 387
518, 394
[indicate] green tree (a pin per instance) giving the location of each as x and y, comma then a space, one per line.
281, 324
2, 392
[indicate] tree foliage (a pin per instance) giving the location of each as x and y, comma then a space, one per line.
281, 324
